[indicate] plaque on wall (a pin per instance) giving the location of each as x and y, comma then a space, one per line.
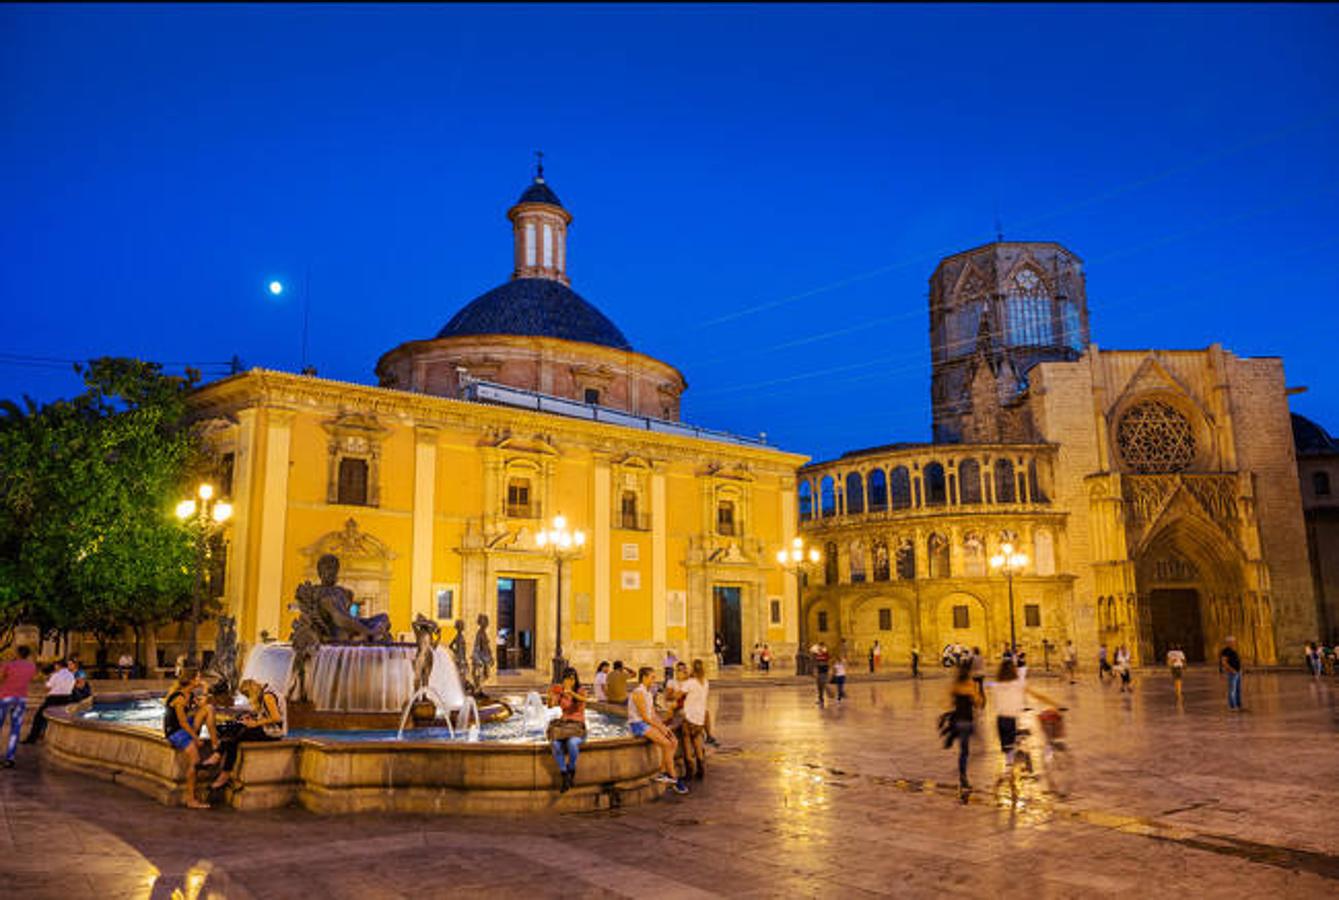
582, 610
632, 552
631, 580
676, 609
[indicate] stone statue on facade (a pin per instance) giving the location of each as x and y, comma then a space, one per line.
483, 654
224, 664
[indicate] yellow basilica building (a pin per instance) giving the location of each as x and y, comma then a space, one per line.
433, 487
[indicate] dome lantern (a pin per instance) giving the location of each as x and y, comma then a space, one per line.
539, 226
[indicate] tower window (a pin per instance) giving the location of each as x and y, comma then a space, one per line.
352, 481
592, 396
548, 246
530, 244
1320, 484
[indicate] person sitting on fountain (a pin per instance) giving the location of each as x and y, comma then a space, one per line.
335, 606
265, 722
643, 722
567, 732
184, 716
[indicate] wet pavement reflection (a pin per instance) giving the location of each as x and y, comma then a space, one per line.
858, 798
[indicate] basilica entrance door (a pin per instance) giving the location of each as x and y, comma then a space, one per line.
728, 623
1176, 620
516, 623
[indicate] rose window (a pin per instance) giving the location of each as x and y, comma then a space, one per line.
1153, 437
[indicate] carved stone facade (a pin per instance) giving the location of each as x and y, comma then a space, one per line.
1154, 492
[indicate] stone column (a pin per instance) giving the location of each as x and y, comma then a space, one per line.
240, 602
600, 550
425, 491
270, 599
659, 553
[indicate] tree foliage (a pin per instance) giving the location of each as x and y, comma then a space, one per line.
87, 487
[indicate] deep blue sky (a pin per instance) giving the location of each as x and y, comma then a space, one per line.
760, 192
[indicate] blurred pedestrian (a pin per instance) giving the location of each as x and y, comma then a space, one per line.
1229, 664
15, 677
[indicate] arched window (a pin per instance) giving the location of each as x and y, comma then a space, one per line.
935, 493
827, 497
969, 481
937, 547
1006, 489
1028, 311
881, 563
830, 562
855, 494
878, 491
1043, 548
806, 495
1320, 484
857, 562
973, 555
1034, 484
899, 488
906, 559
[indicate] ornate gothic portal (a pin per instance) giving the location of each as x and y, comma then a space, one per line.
1194, 590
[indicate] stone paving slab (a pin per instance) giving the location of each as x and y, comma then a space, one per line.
852, 800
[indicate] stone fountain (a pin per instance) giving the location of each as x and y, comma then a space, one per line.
343, 672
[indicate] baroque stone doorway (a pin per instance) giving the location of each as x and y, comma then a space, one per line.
728, 623
1176, 619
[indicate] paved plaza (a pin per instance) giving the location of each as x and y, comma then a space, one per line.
854, 800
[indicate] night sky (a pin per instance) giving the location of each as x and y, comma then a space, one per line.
760, 193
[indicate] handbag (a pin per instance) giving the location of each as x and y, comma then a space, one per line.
562, 729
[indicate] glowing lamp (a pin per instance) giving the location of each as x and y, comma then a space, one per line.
185, 509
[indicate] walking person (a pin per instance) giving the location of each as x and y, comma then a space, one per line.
1176, 662
877, 658
839, 677
915, 662
1071, 660
976, 665
1103, 666
1123, 669
1229, 664
60, 687
15, 677
718, 646
765, 657
643, 722
1313, 659
567, 733
962, 718
821, 658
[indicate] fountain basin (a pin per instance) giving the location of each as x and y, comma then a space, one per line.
333, 774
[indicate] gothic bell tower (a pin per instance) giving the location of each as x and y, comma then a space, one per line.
995, 312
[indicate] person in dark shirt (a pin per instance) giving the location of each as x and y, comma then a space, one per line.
1229, 663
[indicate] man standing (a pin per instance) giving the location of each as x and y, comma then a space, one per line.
1071, 660
821, 659
1229, 663
1103, 666
915, 662
15, 677
60, 690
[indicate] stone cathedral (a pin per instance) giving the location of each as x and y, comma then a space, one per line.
1154, 492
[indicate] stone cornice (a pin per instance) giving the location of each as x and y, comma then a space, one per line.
270, 389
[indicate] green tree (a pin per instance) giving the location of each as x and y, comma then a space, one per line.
87, 486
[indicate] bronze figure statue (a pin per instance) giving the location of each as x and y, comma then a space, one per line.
483, 654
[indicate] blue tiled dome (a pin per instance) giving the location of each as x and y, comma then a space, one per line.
539, 192
538, 307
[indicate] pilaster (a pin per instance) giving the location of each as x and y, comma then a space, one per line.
425, 483
273, 517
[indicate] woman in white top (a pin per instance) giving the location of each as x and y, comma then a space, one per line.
643, 722
601, 676
1176, 661
694, 692
1008, 694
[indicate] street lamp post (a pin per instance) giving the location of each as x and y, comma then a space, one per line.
1009, 562
796, 561
204, 514
562, 545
